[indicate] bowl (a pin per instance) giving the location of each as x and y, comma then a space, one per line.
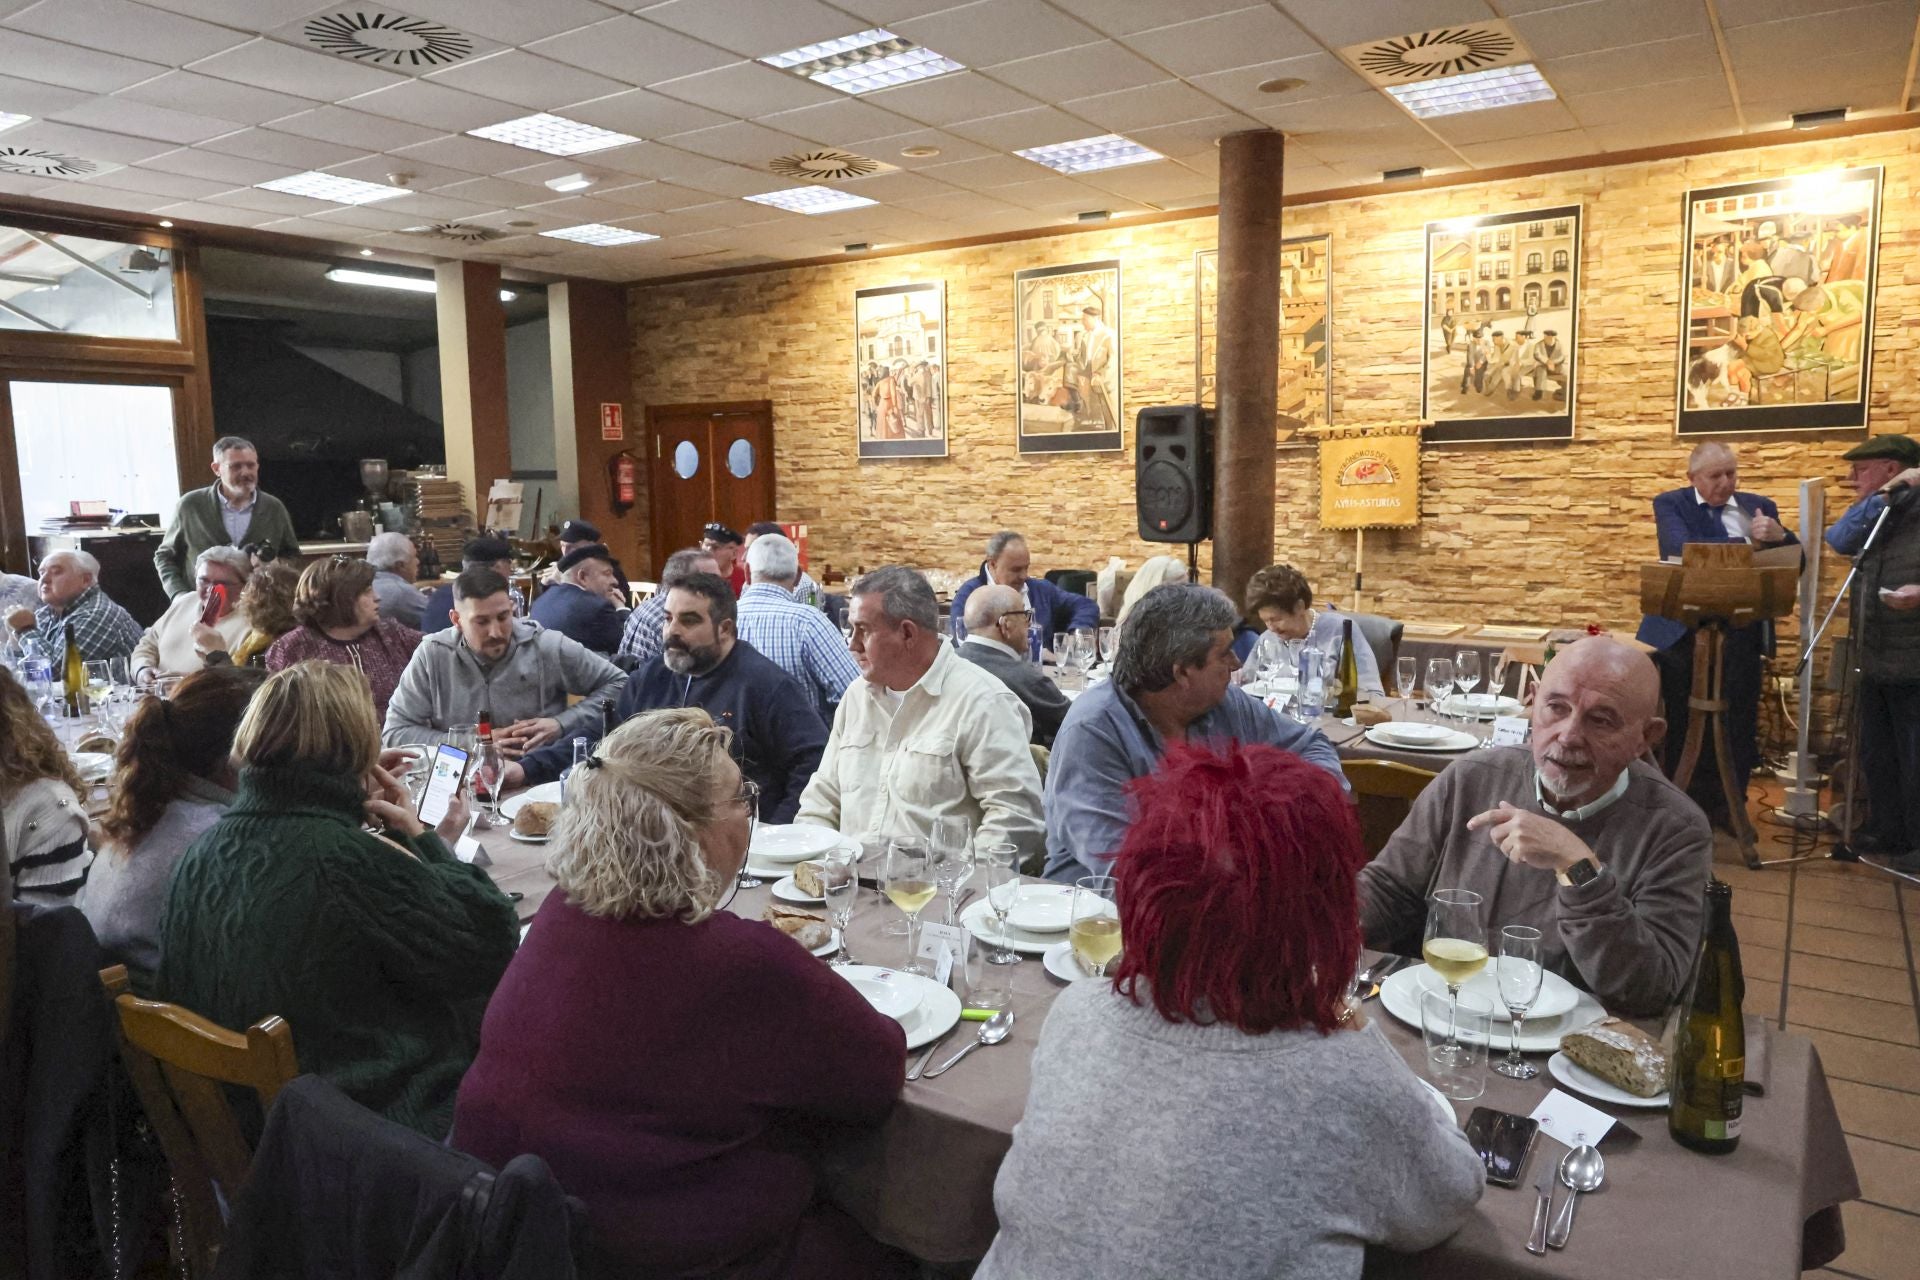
893, 994
1043, 909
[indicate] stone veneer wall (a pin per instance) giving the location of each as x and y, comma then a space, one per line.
1548, 533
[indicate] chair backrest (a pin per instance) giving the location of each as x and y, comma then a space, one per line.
180, 1065
641, 592
1383, 637
1384, 791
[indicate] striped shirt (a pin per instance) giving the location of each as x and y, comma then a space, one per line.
101, 628
641, 638
798, 639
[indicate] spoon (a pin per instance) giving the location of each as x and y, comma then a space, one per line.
992, 1031
1582, 1169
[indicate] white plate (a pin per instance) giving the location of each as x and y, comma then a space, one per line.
1557, 995
93, 765
887, 991
1481, 706
1061, 964
515, 835
1400, 996
938, 1011
978, 917
1580, 1080
1043, 908
1453, 742
795, 843
787, 891
1413, 733
831, 945
547, 791
1441, 1106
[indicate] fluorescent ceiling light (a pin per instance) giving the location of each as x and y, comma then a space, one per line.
1475, 91
1109, 151
332, 188
811, 200
8, 120
385, 280
572, 182
863, 62
555, 135
600, 233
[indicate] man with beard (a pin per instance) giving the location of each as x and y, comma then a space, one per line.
777, 734
1574, 834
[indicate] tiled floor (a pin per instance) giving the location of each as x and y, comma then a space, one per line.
1830, 948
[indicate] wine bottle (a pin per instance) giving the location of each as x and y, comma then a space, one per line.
1349, 673
74, 676
1707, 1075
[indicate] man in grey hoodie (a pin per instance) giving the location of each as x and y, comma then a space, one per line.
515, 672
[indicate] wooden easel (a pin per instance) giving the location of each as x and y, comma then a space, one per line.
1716, 587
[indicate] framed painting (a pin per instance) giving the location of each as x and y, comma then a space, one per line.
1067, 358
1777, 333
1502, 320
900, 370
1305, 396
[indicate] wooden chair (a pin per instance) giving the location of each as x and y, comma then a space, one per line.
180, 1065
1384, 791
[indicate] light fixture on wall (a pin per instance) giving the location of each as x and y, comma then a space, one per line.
1401, 175
571, 182
1814, 119
387, 280
858, 246
1093, 215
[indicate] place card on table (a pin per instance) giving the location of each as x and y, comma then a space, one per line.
467, 849
946, 946
1570, 1121
1509, 731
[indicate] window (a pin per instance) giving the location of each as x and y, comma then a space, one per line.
1481, 299
1560, 259
1531, 295
1557, 294
1486, 271
1506, 299
686, 459
1561, 227
93, 442
1504, 240
740, 458
61, 283
1535, 230
1534, 264
1503, 269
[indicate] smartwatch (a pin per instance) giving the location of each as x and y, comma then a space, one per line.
1582, 872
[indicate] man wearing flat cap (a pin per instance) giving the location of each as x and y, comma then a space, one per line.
578, 533
1870, 467
729, 551
578, 605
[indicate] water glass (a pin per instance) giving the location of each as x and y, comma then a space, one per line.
1094, 931
952, 854
1406, 676
1519, 974
840, 886
906, 877
989, 986
1439, 684
1003, 890
1059, 649
99, 685
1456, 1032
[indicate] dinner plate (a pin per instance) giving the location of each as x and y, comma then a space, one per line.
1441, 1106
1481, 706
1042, 908
978, 917
1557, 995
787, 891
92, 765
1060, 962
1400, 996
792, 843
937, 1013
831, 945
547, 791
888, 991
1453, 742
1413, 733
515, 835
1582, 1081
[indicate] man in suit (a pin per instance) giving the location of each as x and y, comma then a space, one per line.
1008, 564
580, 605
1712, 509
996, 619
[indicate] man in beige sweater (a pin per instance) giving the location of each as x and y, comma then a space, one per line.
1574, 835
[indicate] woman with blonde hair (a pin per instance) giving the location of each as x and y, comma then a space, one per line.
339, 622
43, 821
1157, 571
267, 600
670, 1061
378, 949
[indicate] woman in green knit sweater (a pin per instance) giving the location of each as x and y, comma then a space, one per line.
380, 951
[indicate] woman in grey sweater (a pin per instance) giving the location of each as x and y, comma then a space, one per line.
1217, 1110
172, 780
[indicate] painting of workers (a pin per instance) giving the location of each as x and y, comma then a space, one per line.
1067, 357
900, 381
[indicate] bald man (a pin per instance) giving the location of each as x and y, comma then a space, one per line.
1574, 834
996, 619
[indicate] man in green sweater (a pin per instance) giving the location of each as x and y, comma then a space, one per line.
230, 511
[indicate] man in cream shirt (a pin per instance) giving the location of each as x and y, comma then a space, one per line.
924, 734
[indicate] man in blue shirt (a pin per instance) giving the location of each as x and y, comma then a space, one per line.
796, 637
1007, 564
1172, 682
1871, 465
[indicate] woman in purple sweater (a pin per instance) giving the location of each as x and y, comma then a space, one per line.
674, 1064
340, 622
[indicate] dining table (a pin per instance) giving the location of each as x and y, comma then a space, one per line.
1760, 1212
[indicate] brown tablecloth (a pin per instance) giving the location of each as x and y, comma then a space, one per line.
924, 1180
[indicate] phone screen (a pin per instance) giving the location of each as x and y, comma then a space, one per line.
1503, 1140
449, 767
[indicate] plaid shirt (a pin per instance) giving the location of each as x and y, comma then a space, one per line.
101, 628
641, 639
799, 639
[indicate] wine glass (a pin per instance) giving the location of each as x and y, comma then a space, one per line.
1439, 681
839, 886
1466, 671
1084, 655
907, 879
1107, 635
952, 855
1406, 676
1003, 890
485, 777
1501, 662
1455, 941
1519, 974
1094, 933
1059, 650
99, 687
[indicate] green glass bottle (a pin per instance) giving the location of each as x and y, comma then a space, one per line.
1706, 1080
1349, 673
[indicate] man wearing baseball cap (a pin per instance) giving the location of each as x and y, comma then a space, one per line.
729, 552
1872, 465
579, 606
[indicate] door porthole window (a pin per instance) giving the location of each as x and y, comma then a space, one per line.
686, 459
740, 458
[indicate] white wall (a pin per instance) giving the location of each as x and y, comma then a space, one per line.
377, 370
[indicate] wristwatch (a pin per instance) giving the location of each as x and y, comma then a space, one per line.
1582, 872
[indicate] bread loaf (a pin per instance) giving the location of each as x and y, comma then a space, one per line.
536, 818
806, 878
1369, 713
805, 928
1621, 1054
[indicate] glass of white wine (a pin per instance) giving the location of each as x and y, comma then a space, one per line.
1455, 942
906, 876
1519, 974
1094, 932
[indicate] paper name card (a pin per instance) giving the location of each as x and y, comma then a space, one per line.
1570, 1121
946, 946
467, 849
1510, 731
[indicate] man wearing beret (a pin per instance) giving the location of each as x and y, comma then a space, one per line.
579, 606
1871, 466
578, 533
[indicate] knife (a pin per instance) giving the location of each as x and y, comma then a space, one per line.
1537, 1242
927, 1057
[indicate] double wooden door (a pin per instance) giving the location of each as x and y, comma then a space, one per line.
710, 462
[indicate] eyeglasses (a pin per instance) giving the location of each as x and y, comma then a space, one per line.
748, 796
1017, 613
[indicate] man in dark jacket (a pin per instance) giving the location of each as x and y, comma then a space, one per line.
483, 552
1008, 564
777, 734
578, 604
996, 641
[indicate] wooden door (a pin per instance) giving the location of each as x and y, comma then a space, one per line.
709, 462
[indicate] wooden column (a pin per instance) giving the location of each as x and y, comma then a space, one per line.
473, 377
1247, 357
593, 366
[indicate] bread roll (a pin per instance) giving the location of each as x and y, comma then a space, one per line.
536, 818
805, 928
1368, 713
1621, 1054
806, 878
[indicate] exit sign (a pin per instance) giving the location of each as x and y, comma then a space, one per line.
613, 423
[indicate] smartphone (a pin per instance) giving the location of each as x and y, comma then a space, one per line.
443, 783
216, 605
1503, 1141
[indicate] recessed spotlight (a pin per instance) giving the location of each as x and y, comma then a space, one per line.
1108, 151
919, 153
1411, 171
599, 233
861, 63
572, 182
555, 135
166, 222
1094, 215
1814, 119
1474, 91
332, 188
8, 119
811, 200
1281, 84
366, 253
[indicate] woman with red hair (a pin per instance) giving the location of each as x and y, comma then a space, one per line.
1215, 1110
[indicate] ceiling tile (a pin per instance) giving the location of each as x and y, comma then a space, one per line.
1191, 135
577, 209
282, 149
942, 100
1530, 149
366, 217
713, 214
32, 98
116, 26
753, 28
832, 123
542, 171
424, 102
381, 168
469, 155
354, 129
172, 185
1658, 130
1236, 39
1138, 108
284, 69
747, 89
237, 170
963, 206
1124, 17
890, 187
1368, 109
1325, 75
950, 147
1343, 22
983, 174
1674, 97
118, 115
1155, 184
266, 201
1749, 12
71, 66
1872, 31
435, 206
1602, 24
731, 180
224, 214
499, 192
209, 96
740, 142
97, 145
245, 15
1504, 122
1051, 189
72, 189
512, 21
990, 31
529, 81
1067, 73
1629, 66
1018, 130
631, 50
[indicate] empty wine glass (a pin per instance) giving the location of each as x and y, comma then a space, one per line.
907, 879
1455, 941
1406, 676
1519, 974
839, 886
1502, 661
1466, 671
1107, 635
1439, 682
1084, 655
952, 855
1003, 890
1059, 649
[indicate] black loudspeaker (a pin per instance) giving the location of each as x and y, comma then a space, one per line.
1173, 473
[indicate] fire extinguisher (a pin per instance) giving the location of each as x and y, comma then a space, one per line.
623, 477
